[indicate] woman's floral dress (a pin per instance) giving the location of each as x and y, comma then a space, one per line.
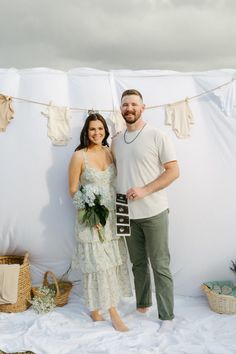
103, 264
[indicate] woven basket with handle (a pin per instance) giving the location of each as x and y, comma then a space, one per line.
218, 302
24, 283
62, 288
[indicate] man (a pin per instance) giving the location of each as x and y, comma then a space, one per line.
146, 164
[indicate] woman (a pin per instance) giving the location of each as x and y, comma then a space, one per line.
103, 264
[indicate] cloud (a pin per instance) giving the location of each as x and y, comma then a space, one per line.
183, 35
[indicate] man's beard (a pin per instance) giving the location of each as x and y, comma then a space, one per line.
135, 118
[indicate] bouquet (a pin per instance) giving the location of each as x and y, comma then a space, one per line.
90, 202
45, 302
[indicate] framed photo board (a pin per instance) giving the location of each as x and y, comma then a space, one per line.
122, 215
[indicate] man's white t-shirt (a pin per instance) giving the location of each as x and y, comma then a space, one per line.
139, 163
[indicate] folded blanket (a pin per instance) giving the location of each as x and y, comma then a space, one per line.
9, 276
224, 287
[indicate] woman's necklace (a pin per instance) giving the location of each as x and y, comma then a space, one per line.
129, 142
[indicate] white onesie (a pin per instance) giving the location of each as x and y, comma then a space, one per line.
179, 116
118, 121
59, 128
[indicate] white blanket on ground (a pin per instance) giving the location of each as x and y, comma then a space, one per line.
70, 330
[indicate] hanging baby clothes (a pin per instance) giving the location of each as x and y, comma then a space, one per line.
6, 111
180, 117
227, 96
118, 121
59, 128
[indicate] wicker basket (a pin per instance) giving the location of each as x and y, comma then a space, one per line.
62, 288
220, 303
24, 283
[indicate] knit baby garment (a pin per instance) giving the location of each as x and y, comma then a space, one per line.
180, 117
59, 128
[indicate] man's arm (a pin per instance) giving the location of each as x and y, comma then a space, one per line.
170, 173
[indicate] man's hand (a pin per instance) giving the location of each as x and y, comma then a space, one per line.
170, 173
136, 193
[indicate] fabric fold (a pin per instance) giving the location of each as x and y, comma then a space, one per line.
227, 96
9, 277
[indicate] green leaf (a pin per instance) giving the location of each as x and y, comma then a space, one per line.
92, 216
81, 214
101, 235
94, 219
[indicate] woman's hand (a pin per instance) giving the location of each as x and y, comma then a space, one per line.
98, 226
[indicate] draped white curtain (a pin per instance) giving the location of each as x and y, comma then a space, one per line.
36, 213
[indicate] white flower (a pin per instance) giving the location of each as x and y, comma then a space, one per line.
87, 194
45, 302
78, 200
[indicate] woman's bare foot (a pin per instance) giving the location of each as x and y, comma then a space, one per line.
96, 316
117, 322
119, 325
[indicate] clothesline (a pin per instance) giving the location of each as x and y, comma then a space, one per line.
196, 96
109, 110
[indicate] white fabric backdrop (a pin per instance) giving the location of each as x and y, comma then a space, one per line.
36, 213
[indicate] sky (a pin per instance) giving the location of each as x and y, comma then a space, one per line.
179, 35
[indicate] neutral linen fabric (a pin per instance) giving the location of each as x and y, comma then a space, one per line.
59, 128
180, 117
6, 112
103, 264
137, 167
9, 277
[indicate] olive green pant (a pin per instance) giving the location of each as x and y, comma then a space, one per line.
149, 241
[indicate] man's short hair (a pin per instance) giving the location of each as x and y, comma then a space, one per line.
131, 92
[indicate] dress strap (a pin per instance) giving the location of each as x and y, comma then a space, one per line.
85, 159
109, 153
